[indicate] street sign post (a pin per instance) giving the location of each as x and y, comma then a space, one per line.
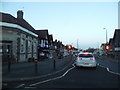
54, 60
36, 66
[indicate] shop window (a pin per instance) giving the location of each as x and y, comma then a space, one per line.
1, 49
35, 46
8, 49
22, 45
29, 46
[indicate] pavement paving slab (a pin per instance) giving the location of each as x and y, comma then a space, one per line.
26, 71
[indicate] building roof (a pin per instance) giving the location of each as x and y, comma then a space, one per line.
111, 40
117, 33
50, 38
25, 24
116, 38
42, 34
8, 18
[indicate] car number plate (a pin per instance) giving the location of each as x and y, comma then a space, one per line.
86, 63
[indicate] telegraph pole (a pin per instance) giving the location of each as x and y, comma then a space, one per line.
77, 44
106, 35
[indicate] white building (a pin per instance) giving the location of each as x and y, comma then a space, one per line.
19, 40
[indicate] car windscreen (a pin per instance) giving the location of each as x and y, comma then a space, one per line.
85, 55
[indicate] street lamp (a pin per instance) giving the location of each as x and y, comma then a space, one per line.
77, 44
106, 35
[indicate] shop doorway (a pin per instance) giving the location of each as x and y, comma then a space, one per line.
6, 51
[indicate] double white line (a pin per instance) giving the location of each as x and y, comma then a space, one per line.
66, 73
30, 86
53, 78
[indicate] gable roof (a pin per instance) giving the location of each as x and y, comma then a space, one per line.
8, 18
25, 24
42, 34
51, 37
111, 41
117, 33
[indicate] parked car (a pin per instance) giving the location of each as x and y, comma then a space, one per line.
85, 59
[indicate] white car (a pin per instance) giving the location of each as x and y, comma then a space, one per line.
85, 59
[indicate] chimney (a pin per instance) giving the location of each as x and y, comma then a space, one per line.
20, 14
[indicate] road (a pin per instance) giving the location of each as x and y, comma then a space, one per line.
106, 75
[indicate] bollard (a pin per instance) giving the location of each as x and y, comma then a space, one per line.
54, 64
36, 66
9, 66
54, 60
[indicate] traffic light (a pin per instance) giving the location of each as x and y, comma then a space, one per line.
69, 47
107, 47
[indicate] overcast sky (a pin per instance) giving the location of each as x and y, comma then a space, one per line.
70, 22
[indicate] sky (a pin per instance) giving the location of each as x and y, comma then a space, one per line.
70, 22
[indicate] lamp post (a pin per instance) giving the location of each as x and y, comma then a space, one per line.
77, 44
106, 35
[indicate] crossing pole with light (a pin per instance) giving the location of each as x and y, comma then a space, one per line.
69, 47
107, 47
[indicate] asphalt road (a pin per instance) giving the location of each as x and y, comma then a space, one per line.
84, 78
106, 75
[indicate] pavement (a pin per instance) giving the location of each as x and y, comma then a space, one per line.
26, 70
112, 65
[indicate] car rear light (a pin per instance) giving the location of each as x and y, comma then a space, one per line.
79, 59
92, 58
86, 53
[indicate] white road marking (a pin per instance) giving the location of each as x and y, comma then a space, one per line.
67, 71
52, 78
20, 85
30, 87
108, 69
54, 72
112, 72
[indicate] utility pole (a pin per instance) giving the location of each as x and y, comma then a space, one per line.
98, 46
106, 35
77, 44
54, 54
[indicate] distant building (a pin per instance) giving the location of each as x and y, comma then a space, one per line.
43, 38
50, 41
111, 43
19, 40
116, 44
103, 51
